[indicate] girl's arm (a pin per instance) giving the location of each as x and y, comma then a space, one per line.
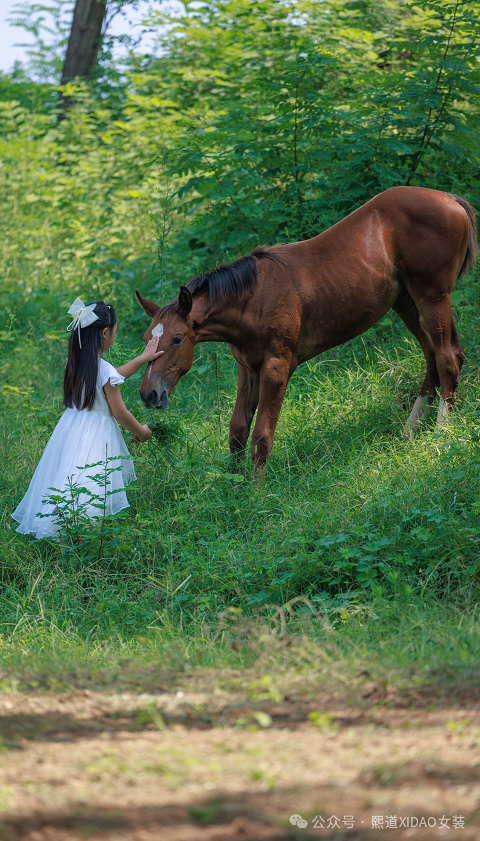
122, 415
149, 355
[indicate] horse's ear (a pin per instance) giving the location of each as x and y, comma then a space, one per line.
185, 302
150, 308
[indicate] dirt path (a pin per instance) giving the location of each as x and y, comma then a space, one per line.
188, 766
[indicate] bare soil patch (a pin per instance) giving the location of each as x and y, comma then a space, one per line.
205, 766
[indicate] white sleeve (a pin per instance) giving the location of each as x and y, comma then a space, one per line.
108, 372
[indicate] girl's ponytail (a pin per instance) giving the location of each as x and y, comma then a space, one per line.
80, 377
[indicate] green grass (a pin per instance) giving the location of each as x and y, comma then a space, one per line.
352, 515
403, 646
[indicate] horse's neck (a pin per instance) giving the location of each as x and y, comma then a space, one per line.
216, 321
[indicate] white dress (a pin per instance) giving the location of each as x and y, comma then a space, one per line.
80, 438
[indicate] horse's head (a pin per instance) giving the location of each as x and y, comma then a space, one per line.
173, 327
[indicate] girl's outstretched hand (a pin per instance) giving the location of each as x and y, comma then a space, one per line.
145, 436
151, 353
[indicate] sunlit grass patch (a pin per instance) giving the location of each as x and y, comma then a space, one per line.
403, 646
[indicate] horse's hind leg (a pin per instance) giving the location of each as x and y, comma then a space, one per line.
407, 309
248, 387
438, 320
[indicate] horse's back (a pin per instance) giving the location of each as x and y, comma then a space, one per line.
419, 205
407, 206
409, 229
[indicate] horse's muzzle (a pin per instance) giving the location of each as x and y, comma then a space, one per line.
156, 399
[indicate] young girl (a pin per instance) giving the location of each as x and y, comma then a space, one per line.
88, 432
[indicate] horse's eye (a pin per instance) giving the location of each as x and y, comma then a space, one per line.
177, 340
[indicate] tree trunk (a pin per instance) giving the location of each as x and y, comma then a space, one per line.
83, 43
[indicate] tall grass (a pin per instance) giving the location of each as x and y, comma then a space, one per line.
399, 646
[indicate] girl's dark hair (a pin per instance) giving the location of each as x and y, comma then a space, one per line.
80, 377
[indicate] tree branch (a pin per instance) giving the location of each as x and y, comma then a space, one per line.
418, 153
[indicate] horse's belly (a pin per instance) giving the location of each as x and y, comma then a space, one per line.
338, 319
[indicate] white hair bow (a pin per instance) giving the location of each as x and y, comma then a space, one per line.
82, 316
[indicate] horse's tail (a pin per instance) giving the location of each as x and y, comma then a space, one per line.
472, 247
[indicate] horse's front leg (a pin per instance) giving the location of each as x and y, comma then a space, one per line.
274, 377
248, 386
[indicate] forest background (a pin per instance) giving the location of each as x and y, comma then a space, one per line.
249, 123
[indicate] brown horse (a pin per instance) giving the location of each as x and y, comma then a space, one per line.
280, 306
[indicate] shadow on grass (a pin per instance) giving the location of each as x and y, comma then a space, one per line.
317, 438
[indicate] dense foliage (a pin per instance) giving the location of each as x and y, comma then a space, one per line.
245, 128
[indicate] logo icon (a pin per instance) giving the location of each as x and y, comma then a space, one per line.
297, 820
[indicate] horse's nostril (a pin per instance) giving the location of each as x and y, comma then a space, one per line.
152, 397
156, 399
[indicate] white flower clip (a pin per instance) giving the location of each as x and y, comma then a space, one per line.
82, 316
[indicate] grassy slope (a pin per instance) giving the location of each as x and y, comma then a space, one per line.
372, 528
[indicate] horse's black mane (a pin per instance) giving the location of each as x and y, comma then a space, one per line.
228, 282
